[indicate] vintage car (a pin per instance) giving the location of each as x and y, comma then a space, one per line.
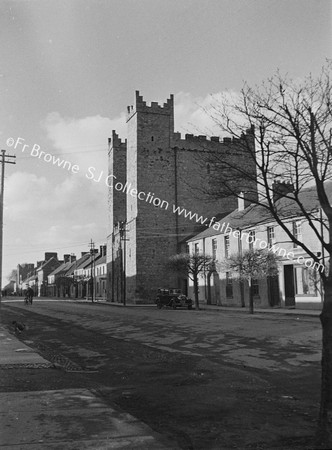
172, 298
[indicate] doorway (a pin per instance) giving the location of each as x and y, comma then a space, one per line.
273, 290
289, 286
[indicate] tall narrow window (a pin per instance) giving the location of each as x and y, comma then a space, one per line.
297, 232
196, 249
227, 244
214, 248
306, 281
255, 286
251, 239
270, 236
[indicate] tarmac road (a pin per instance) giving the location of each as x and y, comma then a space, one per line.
205, 379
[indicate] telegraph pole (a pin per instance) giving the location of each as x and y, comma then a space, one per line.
5, 159
123, 237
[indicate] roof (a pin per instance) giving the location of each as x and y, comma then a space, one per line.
80, 263
63, 268
70, 269
101, 260
46, 263
255, 214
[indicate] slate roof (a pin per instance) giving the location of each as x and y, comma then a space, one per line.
46, 263
81, 263
63, 268
101, 260
257, 214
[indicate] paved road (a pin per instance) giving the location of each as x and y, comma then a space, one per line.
268, 341
209, 380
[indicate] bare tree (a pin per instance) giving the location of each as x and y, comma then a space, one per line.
251, 265
291, 127
191, 266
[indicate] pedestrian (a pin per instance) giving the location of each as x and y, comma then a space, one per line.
30, 294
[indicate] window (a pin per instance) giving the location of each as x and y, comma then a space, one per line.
251, 239
255, 286
226, 241
229, 285
297, 232
214, 248
305, 281
187, 248
196, 249
270, 236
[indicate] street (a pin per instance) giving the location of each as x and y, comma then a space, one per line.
206, 379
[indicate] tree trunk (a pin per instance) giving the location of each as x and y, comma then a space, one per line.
196, 292
208, 302
324, 421
242, 294
251, 298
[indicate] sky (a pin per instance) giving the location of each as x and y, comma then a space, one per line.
70, 68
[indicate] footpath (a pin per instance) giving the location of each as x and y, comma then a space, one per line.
216, 308
203, 306
66, 418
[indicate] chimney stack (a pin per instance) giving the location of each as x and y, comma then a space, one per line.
281, 189
66, 258
240, 202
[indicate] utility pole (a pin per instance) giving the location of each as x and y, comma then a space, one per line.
92, 252
5, 159
123, 238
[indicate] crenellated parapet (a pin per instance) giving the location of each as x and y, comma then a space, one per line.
202, 142
116, 142
154, 108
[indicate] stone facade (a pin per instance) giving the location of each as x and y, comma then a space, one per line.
163, 172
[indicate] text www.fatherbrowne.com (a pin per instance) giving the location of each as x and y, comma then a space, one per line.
149, 197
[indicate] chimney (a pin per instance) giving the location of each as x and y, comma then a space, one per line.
243, 200
72, 258
66, 258
83, 253
102, 250
281, 189
50, 255
240, 202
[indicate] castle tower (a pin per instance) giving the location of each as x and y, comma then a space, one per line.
164, 175
150, 220
117, 201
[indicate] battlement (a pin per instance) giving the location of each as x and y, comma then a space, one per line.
154, 108
115, 141
209, 141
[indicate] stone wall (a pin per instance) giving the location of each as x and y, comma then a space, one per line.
163, 172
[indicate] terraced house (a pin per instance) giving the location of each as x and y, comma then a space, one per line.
297, 284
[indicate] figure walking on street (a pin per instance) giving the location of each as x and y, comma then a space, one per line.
29, 295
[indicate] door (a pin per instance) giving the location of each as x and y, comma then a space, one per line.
273, 288
289, 286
